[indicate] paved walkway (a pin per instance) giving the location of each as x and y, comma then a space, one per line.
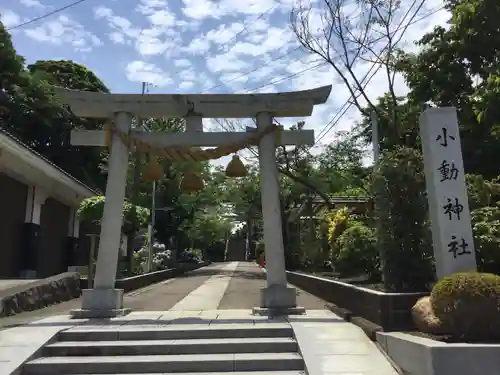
234, 285
220, 293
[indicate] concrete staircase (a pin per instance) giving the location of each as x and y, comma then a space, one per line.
258, 349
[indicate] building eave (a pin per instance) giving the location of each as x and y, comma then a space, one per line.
40, 170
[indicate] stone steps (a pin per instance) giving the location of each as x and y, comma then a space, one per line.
161, 347
177, 332
151, 364
218, 373
258, 349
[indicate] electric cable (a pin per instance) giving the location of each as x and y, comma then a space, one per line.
58, 10
279, 57
333, 122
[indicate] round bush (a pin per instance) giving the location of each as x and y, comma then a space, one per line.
468, 305
357, 252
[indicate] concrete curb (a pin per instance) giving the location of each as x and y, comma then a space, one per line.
369, 328
423, 356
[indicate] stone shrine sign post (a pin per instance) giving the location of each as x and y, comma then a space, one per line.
447, 193
106, 301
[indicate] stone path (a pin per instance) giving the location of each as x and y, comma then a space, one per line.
208, 295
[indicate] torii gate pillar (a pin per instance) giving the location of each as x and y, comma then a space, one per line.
104, 300
276, 298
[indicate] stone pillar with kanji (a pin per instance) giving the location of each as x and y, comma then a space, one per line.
452, 238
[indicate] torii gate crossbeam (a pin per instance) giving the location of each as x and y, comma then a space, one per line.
106, 301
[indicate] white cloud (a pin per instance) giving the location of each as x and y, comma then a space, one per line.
122, 30
198, 46
9, 18
142, 71
159, 38
162, 18
182, 63
64, 30
150, 6
200, 9
32, 3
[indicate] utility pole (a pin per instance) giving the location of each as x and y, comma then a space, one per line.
135, 196
151, 227
377, 202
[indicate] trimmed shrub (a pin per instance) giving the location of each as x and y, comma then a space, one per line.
357, 252
468, 305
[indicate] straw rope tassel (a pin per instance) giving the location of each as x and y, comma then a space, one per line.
191, 154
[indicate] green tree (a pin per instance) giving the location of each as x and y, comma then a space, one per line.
208, 229
30, 110
84, 163
404, 238
340, 166
459, 67
68, 74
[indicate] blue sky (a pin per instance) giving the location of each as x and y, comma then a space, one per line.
192, 46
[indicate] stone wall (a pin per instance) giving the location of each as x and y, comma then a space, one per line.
39, 294
391, 311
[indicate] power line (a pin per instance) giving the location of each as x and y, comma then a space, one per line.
300, 72
344, 108
398, 28
325, 63
279, 57
349, 104
58, 10
341, 112
246, 27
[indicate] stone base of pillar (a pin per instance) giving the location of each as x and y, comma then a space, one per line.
297, 310
278, 300
101, 303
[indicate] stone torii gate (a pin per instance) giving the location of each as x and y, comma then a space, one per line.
106, 301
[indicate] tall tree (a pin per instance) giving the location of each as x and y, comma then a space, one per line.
459, 67
68, 74
83, 163
30, 110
